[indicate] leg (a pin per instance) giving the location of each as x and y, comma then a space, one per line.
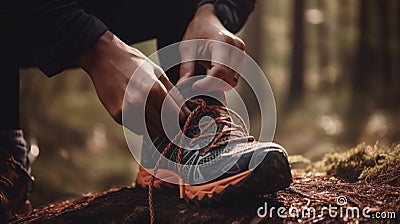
11, 137
9, 95
14, 177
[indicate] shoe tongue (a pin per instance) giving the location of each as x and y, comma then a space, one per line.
216, 98
207, 99
205, 118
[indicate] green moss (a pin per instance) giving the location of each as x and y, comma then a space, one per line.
364, 162
387, 168
299, 161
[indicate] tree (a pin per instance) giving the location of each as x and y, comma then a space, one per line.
296, 87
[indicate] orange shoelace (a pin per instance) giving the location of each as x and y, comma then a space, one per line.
223, 117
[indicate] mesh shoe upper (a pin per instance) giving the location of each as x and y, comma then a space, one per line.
217, 146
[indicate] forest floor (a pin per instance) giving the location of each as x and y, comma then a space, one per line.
361, 185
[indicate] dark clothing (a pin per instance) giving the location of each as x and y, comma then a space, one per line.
50, 34
12, 142
53, 33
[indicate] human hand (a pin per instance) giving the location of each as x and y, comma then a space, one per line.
111, 64
205, 25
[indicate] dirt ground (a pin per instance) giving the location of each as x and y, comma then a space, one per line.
311, 198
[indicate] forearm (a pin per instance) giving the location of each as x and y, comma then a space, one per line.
100, 54
110, 64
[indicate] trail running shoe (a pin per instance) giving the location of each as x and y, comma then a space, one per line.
228, 159
15, 185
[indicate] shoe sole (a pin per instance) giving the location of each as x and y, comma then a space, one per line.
258, 181
143, 178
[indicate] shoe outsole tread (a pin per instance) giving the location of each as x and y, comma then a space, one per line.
272, 175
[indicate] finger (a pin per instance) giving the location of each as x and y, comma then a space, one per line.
217, 80
187, 52
133, 110
237, 42
219, 57
173, 92
152, 130
153, 116
154, 124
169, 114
219, 53
177, 97
237, 54
235, 59
158, 94
164, 105
134, 122
224, 73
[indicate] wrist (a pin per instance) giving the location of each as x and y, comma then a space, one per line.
202, 2
206, 9
205, 14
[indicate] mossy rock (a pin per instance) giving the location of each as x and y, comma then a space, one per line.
364, 162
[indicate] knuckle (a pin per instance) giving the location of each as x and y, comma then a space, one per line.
241, 45
184, 47
224, 69
158, 71
185, 66
229, 39
219, 70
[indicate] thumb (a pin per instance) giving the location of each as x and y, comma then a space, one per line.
187, 51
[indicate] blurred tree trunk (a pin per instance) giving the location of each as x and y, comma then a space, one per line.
296, 86
253, 36
323, 54
396, 55
386, 66
346, 54
375, 79
388, 89
363, 60
357, 113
